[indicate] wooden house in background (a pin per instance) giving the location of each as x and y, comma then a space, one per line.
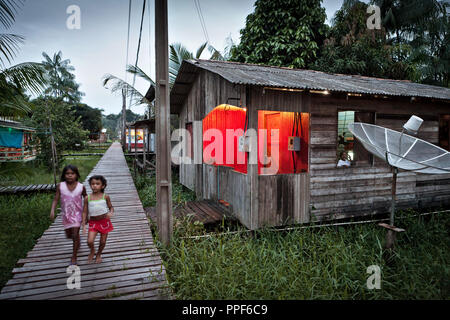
315, 108
15, 142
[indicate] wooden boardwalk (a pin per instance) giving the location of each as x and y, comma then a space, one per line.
131, 267
204, 211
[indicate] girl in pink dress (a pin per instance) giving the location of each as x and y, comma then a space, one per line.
71, 193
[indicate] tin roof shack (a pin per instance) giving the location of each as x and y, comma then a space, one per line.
15, 142
312, 109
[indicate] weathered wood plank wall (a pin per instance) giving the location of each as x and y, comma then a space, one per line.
283, 199
365, 188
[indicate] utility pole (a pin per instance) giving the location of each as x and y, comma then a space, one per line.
163, 161
124, 116
53, 144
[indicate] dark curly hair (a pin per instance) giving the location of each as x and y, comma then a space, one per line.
70, 167
101, 178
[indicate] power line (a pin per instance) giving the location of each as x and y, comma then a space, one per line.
128, 37
150, 40
138, 48
149, 108
202, 20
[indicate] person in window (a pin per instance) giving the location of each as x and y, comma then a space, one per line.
344, 160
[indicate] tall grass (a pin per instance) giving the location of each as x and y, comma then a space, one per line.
24, 218
320, 263
314, 263
26, 173
146, 186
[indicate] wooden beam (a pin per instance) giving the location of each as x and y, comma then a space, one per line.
163, 161
124, 113
252, 169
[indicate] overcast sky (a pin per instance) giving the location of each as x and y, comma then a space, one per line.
99, 47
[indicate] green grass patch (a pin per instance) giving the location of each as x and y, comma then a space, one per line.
311, 263
24, 218
146, 186
26, 173
316, 263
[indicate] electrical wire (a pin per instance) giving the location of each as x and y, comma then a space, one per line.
273, 229
202, 20
138, 48
149, 40
128, 38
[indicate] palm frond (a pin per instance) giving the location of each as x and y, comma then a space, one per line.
8, 10
9, 46
178, 53
215, 54
13, 103
26, 76
200, 50
140, 73
117, 85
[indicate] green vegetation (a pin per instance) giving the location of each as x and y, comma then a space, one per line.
91, 119
19, 174
412, 43
67, 128
60, 80
112, 122
352, 48
91, 148
316, 263
15, 80
308, 263
146, 187
24, 218
282, 33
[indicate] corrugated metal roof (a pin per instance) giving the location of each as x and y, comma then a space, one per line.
277, 77
15, 125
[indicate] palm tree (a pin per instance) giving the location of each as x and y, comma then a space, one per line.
61, 82
17, 79
178, 53
117, 85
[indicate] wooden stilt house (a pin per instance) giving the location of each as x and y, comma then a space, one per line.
311, 111
15, 142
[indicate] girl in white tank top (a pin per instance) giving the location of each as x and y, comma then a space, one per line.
98, 208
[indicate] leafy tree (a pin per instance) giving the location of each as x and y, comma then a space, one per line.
431, 47
67, 128
15, 80
282, 33
423, 26
112, 121
91, 118
352, 48
61, 82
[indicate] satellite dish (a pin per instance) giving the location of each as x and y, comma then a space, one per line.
401, 150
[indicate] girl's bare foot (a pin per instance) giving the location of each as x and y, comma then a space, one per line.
98, 259
91, 256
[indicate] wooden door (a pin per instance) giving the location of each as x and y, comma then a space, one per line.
272, 122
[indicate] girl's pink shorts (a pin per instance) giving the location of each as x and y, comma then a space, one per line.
102, 226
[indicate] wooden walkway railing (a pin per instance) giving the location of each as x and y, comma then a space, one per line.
28, 188
131, 267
